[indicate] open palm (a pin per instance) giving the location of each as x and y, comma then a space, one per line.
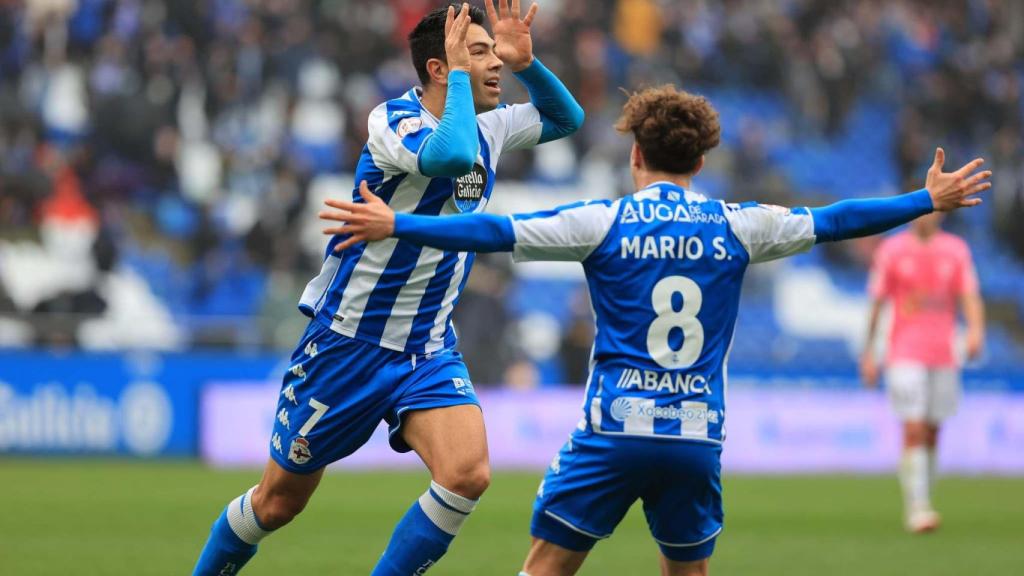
513, 43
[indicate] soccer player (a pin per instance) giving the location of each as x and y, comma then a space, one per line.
924, 273
380, 345
664, 267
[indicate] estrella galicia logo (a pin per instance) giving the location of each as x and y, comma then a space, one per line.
621, 409
470, 188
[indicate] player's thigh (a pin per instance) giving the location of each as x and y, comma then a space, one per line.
944, 394
907, 387
334, 395
683, 500
673, 568
438, 415
586, 491
549, 559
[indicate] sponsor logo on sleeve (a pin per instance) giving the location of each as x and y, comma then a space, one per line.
408, 126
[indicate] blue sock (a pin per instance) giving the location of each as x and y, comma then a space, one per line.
424, 533
232, 541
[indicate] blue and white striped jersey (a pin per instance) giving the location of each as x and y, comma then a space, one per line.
393, 293
664, 268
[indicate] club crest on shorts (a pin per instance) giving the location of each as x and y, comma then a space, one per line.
299, 452
469, 190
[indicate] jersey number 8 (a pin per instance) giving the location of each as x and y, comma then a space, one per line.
668, 319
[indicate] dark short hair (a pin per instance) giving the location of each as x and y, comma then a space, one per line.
673, 128
426, 40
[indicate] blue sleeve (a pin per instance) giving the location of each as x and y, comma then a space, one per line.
452, 148
560, 114
856, 218
458, 233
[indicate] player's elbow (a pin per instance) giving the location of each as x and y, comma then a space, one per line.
575, 118
451, 165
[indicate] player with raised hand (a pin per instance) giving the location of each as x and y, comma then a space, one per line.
664, 267
925, 274
380, 345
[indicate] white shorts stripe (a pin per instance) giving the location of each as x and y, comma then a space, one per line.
691, 544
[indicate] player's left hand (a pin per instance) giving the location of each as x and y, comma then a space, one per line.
366, 222
513, 43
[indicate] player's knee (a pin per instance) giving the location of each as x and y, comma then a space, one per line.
699, 568
469, 481
275, 509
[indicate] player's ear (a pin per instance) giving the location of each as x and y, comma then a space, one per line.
636, 158
699, 167
438, 71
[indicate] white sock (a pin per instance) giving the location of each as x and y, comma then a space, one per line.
914, 479
243, 520
446, 509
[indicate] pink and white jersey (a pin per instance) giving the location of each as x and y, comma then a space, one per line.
924, 281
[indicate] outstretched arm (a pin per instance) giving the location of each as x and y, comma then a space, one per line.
567, 233
560, 114
943, 192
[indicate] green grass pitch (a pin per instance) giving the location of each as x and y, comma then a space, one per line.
113, 518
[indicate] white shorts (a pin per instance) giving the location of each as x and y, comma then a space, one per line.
923, 394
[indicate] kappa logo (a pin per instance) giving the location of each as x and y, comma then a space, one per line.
397, 113
282, 417
298, 370
621, 409
311, 350
408, 126
275, 441
299, 451
289, 393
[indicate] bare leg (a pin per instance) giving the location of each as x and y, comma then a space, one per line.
452, 442
281, 494
673, 568
547, 559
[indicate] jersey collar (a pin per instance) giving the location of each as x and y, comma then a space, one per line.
671, 192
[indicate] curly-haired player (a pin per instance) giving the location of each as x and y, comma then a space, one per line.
664, 267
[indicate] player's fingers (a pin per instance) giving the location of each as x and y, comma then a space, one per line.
978, 188
492, 15
970, 167
367, 194
530, 15
339, 230
974, 179
356, 239
970, 202
449, 21
333, 216
342, 205
516, 9
462, 23
940, 159
503, 8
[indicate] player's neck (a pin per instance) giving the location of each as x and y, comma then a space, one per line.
925, 235
433, 98
643, 179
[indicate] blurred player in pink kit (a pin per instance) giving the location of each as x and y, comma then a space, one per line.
925, 274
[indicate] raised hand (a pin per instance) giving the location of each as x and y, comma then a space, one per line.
953, 190
455, 48
367, 222
513, 43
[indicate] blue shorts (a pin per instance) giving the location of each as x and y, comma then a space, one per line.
595, 479
337, 390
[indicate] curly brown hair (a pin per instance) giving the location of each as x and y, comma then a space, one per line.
673, 128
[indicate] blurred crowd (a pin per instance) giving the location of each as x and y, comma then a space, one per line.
184, 139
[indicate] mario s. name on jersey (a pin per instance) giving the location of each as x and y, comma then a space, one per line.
663, 247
